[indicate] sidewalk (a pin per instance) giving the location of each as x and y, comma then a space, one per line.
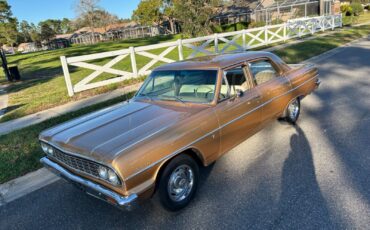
3, 100
22, 122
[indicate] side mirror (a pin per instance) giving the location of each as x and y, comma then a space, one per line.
239, 93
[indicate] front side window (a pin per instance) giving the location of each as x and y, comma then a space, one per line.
196, 86
262, 71
234, 79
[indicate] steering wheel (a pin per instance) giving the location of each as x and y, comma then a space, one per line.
203, 86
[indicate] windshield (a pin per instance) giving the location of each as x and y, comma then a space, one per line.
196, 86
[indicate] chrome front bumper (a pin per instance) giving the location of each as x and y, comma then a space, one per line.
90, 187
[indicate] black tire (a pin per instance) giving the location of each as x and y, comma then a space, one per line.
292, 111
184, 163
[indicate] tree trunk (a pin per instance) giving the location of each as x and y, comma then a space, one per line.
172, 25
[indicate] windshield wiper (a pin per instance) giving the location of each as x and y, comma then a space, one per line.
146, 96
179, 99
175, 97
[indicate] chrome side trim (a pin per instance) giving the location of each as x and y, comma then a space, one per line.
60, 171
215, 130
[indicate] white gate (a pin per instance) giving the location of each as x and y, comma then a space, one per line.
183, 49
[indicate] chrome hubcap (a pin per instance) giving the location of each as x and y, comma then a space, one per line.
293, 109
180, 183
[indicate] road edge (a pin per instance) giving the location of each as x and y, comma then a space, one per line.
26, 184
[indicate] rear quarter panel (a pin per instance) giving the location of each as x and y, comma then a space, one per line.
303, 80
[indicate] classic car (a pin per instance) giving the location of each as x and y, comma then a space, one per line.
186, 115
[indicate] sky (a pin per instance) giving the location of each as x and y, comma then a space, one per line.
39, 10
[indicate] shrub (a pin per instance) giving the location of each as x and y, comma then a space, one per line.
277, 21
357, 8
346, 9
255, 24
229, 27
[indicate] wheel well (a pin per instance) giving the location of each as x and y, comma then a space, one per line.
299, 97
193, 153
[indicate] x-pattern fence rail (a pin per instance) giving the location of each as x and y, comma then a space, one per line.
183, 49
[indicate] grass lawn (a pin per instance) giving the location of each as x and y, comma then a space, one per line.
20, 151
352, 20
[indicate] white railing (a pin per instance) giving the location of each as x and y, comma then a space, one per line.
188, 48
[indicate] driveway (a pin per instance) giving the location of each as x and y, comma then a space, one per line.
315, 175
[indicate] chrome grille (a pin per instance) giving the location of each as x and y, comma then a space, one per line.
77, 163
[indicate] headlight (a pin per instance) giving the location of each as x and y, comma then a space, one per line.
47, 149
108, 175
112, 177
103, 172
44, 147
50, 150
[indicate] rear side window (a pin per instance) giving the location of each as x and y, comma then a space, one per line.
262, 71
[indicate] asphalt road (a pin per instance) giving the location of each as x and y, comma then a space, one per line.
312, 176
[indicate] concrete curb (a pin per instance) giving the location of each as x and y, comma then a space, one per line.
9, 126
329, 53
26, 184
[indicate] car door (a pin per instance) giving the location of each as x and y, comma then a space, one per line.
237, 108
272, 86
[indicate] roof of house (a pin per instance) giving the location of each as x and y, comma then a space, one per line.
66, 36
25, 44
107, 28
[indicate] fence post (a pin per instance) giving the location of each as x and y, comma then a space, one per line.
266, 36
332, 22
133, 61
244, 42
216, 43
284, 32
67, 77
323, 23
179, 46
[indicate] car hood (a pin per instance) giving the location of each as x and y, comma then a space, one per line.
105, 134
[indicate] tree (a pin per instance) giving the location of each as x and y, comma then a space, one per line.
86, 9
46, 31
25, 30
8, 25
66, 26
148, 12
169, 13
104, 19
35, 33
195, 15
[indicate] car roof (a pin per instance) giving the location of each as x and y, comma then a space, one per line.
218, 61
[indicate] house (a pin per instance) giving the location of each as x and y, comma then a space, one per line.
28, 47
233, 14
56, 43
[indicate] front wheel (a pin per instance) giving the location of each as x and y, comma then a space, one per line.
178, 182
293, 110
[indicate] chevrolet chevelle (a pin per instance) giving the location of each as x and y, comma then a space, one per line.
186, 115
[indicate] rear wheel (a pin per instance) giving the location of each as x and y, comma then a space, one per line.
178, 182
293, 110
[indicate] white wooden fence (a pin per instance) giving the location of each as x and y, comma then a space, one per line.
214, 44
